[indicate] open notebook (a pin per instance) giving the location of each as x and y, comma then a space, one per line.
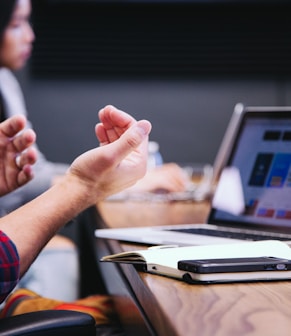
164, 261
252, 200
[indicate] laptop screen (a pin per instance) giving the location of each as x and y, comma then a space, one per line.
262, 155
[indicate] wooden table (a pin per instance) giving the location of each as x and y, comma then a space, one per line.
155, 305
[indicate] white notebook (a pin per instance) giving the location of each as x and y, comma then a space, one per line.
162, 260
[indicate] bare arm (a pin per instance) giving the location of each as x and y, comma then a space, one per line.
117, 164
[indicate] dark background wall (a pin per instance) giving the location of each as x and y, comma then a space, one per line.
183, 67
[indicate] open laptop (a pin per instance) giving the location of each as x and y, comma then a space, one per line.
256, 145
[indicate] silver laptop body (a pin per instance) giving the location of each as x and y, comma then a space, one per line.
257, 144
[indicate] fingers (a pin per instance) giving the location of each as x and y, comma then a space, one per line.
132, 139
111, 117
13, 125
16, 153
24, 164
113, 124
25, 175
101, 134
24, 140
26, 158
120, 163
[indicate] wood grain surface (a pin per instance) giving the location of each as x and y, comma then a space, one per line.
177, 308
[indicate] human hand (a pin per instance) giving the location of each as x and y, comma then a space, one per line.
168, 177
121, 158
16, 154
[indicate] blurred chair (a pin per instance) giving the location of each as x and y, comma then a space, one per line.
49, 323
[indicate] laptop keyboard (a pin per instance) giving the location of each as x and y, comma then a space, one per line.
233, 234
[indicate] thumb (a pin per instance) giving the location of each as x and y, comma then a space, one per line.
137, 133
133, 138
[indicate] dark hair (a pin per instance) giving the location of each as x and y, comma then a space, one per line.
6, 10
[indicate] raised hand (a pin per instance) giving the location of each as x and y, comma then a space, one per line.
122, 158
16, 154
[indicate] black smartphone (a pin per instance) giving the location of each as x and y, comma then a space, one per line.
230, 265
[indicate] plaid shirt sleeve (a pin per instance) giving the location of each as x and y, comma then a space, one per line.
9, 266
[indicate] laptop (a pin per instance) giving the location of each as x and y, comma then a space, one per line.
253, 171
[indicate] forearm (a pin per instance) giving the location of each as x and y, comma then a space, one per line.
93, 176
31, 229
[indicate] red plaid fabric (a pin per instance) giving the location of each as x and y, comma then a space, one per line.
9, 266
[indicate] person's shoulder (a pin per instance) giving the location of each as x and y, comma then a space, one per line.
6, 73
7, 77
